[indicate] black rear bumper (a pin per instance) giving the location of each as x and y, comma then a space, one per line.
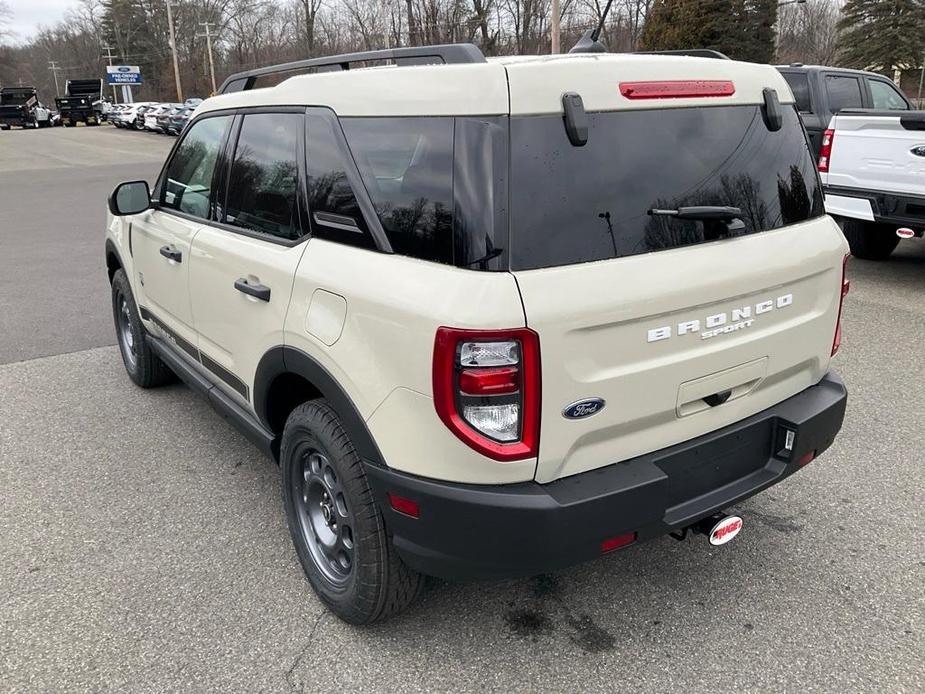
471, 531
888, 208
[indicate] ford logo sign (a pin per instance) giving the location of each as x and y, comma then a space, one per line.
918, 150
583, 408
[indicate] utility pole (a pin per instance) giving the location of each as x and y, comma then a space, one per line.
109, 55
54, 69
918, 101
208, 36
555, 26
173, 48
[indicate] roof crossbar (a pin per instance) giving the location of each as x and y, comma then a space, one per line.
450, 53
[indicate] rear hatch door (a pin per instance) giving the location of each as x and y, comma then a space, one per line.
681, 327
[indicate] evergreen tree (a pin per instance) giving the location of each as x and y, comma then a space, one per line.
742, 29
882, 35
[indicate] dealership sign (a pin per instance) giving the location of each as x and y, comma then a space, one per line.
123, 74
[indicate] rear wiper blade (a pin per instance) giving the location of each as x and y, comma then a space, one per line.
700, 212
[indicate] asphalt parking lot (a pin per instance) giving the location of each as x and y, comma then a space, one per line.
144, 547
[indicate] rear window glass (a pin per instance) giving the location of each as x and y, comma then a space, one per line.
438, 185
577, 204
799, 85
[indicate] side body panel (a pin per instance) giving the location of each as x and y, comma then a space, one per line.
382, 356
877, 153
161, 283
235, 329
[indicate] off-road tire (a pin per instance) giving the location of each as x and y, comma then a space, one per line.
379, 584
145, 368
868, 240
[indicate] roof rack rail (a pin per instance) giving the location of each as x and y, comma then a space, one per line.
692, 52
449, 53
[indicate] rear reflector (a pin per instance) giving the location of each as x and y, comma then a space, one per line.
681, 89
807, 458
492, 381
845, 286
405, 506
612, 543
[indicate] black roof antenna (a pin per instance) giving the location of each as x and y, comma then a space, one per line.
588, 43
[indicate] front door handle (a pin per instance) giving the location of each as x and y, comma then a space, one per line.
171, 254
258, 291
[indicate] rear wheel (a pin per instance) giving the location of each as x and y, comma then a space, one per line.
868, 240
144, 367
335, 523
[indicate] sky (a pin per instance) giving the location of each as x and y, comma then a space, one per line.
29, 14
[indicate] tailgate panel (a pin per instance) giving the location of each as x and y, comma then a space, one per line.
594, 322
874, 153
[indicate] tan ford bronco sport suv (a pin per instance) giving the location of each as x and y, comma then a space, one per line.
492, 317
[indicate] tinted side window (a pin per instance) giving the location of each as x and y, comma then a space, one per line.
407, 168
264, 181
844, 92
188, 183
336, 216
886, 97
799, 85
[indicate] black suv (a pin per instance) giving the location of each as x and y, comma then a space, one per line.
822, 91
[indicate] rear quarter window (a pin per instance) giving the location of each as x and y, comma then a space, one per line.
438, 185
799, 85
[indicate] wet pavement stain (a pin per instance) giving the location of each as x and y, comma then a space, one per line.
528, 623
589, 636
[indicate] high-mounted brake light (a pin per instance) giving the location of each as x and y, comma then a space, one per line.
845, 286
487, 389
825, 151
677, 89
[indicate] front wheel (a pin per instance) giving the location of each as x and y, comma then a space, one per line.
336, 525
143, 365
868, 240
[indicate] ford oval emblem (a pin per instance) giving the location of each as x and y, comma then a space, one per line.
583, 408
918, 150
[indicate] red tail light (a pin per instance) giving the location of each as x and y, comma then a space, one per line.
845, 286
487, 389
825, 152
678, 89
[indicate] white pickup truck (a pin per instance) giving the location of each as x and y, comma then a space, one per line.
872, 165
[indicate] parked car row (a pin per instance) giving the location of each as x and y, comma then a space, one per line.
163, 118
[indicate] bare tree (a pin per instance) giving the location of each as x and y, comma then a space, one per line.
808, 33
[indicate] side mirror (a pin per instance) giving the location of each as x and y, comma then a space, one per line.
130, 197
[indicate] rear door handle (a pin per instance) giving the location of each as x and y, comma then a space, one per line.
258, 291
171, 254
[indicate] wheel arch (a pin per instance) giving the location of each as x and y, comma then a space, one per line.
113, 259
286, 377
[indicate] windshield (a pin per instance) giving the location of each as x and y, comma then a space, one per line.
578, 204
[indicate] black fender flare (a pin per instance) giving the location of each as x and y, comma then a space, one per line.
286, 359
112, 249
